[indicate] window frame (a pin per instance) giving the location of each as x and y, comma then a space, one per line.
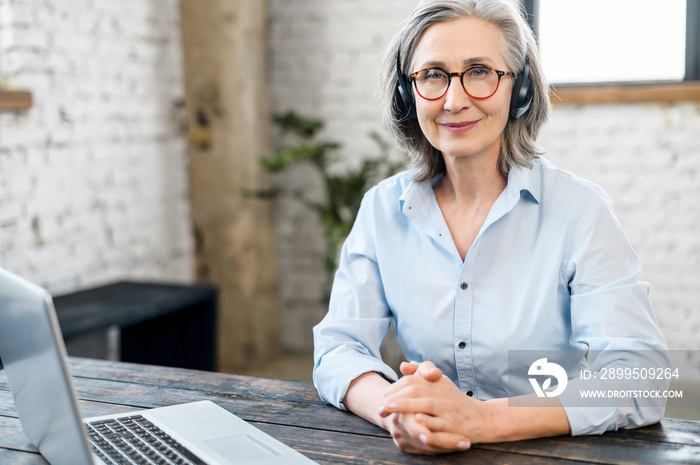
630, 92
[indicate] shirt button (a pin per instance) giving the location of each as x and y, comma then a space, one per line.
470, 393
464, 286
462, 345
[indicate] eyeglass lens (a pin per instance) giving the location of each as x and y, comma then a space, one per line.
477, 82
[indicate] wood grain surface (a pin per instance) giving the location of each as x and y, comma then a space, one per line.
292, 412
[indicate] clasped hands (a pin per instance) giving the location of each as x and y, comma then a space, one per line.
426, 413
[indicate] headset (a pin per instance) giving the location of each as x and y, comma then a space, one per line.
520, 101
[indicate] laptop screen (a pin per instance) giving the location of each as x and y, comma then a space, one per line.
33, 354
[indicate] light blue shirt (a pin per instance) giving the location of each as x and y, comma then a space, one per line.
550, 269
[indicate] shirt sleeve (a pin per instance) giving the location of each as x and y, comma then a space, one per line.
347, 340
610, 314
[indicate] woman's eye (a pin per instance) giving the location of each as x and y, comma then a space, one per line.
478, 72
434, 74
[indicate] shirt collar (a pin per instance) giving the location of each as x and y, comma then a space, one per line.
414, 196
520, 180
524, 180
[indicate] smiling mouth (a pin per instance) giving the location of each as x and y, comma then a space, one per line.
460, 127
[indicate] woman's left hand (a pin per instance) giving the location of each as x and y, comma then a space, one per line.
424, 397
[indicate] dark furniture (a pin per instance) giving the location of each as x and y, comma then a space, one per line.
159, 324
292, 412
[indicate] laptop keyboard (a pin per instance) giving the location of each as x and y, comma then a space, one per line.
135, 440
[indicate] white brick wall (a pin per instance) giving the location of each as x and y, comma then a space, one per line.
93, 178
325, 58
647, 157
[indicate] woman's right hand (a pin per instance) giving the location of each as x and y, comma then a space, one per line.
416, 430
366, 398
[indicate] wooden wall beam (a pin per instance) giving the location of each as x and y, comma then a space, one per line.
227, 99
626, 93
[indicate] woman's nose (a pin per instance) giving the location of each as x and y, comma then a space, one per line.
456, 98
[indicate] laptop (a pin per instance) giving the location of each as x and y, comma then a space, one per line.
34, 358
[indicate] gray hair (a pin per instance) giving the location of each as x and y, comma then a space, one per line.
519, 136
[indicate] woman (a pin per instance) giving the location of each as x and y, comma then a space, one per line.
481, 251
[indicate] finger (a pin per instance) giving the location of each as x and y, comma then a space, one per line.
433, 423
429, 371
408, 368
444, 442
432, 444
414, 429
426, 369
406, 383
410, 405
409, 435
410, 391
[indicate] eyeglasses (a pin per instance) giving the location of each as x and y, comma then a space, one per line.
479, 82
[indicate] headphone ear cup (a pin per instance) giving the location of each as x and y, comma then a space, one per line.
523, 94
405, 98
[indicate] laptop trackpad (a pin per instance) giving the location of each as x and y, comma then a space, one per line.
242, 447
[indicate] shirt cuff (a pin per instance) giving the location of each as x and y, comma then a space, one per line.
335, 372
587, 419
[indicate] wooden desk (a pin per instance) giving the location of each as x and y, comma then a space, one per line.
292, 412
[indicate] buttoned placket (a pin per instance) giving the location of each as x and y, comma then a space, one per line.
463, 307
463, 299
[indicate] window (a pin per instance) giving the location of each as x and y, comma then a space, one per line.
620, 44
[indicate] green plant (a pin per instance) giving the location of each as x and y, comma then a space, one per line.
343, 188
